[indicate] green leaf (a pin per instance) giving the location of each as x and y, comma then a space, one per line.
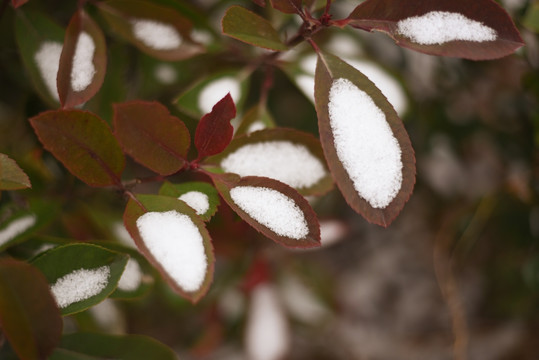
12, 177
244, 25
152, 136
40, 42
174, 240
159, 31
256, 118
531, 18
83, 142
196, 195
82, 346
81, 275
293, 157
365, 143
28, 313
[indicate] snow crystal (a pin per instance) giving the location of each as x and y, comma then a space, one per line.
267, 332
285, 161
176, 243
83, 69
156, 35
131, 277
365, 143
438, 27
16, 227
273, 209
80, 285
47, 59
255, 126
197, 200
216, 90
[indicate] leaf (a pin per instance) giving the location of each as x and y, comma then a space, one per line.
12, 177
531, 18
99, 346
159, 31
18, 3
152, 136
214, 131
174, 240
256, 118
244, 25
273, 208
83, 61
287, 6
81, 275
290, 156
28, 313
83, 143
40, 41
365, 143
477, 30
200, 196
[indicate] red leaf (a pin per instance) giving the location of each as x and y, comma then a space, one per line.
214, 131
152, 136
273, 208
260, 2
477, 30
17, 3
29, 315
83, 142
287, 6
83, 61
365, 143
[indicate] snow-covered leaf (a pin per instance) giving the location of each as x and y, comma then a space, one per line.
81, 275
244, 25
174, 240
290, 156
83, 61
365, 143
12, 177
152, 136
29, 316
157, 30
273, 208
477, 30
200, 196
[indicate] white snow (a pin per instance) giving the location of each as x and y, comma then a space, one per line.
306, 85
80, 285
255, 126
16, 227
273, 209
131, 277
267, 334
83, 69
332, 231
285, 161
197, 200
176, 243
216, 90
122, 235
165, 74
156, 35
439, 27
47, 59
365, 144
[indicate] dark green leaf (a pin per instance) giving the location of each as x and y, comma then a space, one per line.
256, 118
194, 194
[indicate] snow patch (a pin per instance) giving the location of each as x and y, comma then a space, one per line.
196, 200
285, 161
83, 69
156, 35
273, 209
267, 331
80, 285
122, 235
216, 90
165, 74
47, 59
255, 126
16, 227
176, 243
306, 85
365, 144
439, 27
131, 277
332, 231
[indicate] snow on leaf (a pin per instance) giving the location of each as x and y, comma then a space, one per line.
80, 285
216, 90
155, 34
131, 277
83, 69
197, 200
200, 196
47, 59
16, 227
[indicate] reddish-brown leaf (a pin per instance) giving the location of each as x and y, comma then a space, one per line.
11, 175
83, 61
214, 131
29, 316
287, 6
387, 16
374, 178
83, 142
17, 3
152, 136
